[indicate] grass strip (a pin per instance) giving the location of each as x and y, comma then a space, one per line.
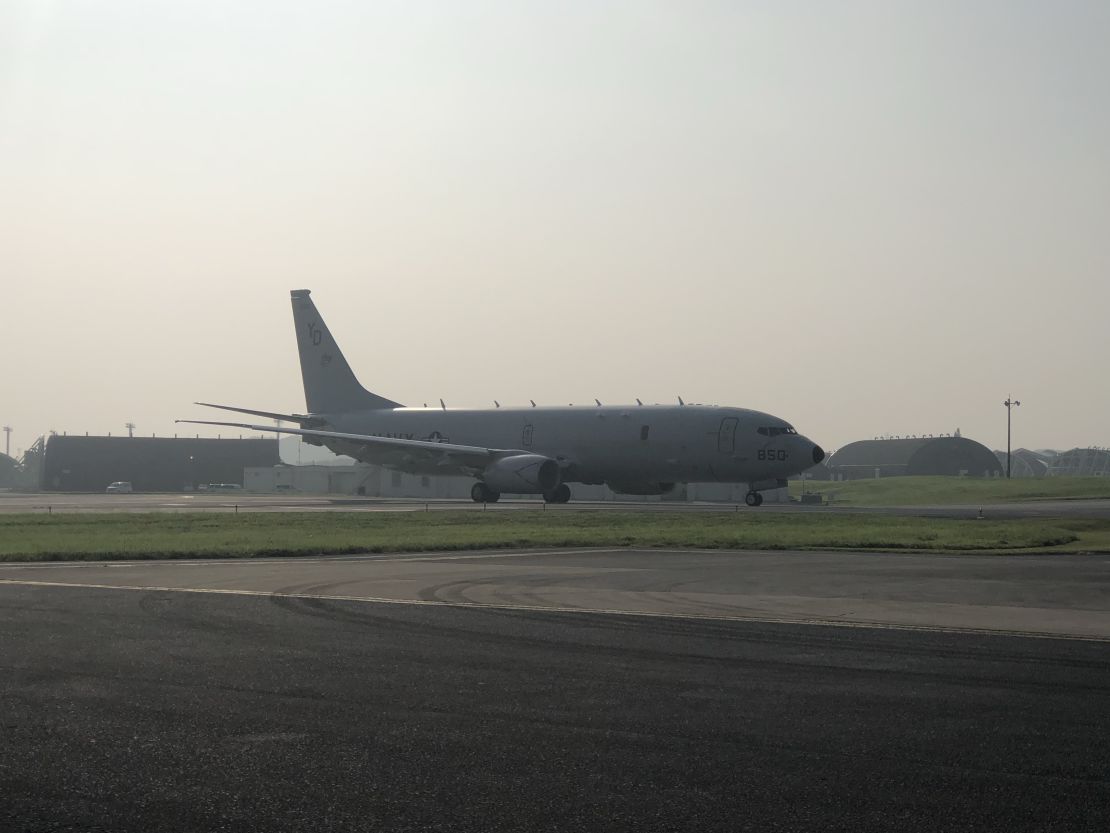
26, 537
948, 491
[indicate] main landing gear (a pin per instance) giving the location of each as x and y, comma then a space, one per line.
753, 499
560, 494
481, 493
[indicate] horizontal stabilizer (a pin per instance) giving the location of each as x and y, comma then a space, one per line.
300, 419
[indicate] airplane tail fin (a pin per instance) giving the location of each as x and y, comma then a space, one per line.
329, 384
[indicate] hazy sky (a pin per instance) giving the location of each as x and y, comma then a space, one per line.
864, 217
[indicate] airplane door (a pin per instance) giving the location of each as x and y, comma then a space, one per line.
726, 437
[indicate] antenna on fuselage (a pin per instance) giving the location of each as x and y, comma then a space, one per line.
496, 404
598, 401
638, 402
680, 402
442, 405
533, 401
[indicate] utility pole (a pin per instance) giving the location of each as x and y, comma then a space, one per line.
1010, 404
8, 440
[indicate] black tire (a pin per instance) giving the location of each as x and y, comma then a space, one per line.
479, 493
753, 499
758, 499
492, 496
560, 494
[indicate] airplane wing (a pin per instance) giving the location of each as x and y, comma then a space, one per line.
426, 451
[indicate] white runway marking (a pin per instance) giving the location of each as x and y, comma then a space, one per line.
774, 620
447, 555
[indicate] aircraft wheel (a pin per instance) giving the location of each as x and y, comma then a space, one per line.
481, 493
560, 494
753, 498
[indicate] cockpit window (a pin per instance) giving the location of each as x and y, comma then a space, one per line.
775, 430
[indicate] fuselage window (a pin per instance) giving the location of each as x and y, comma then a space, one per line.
644, 431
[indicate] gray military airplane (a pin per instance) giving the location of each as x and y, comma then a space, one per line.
634, 449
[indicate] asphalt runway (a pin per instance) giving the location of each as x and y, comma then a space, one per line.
1049, 595
559, 690
253, 502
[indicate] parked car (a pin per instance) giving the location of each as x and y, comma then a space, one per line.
119, 487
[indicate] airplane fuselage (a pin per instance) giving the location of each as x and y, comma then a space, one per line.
623, 445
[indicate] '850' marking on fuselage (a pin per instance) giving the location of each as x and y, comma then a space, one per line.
771, 454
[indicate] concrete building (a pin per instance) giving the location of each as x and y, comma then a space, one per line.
150, 464
10, 472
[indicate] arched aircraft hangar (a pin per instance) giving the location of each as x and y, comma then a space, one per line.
914, 456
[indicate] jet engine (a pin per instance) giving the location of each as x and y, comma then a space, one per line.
640, 488
523, 474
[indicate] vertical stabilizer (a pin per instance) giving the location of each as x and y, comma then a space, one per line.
329, 384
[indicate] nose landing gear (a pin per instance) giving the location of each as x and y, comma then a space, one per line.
753, 499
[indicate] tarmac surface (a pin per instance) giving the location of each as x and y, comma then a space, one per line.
254, 502
558, 690
1048, 595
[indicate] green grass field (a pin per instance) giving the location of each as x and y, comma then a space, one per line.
194, 535
921, 491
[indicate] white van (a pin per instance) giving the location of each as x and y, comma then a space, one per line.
120, 487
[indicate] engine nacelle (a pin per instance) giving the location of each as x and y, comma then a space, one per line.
523, 474
640, 488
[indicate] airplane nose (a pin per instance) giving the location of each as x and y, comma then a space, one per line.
818, 454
